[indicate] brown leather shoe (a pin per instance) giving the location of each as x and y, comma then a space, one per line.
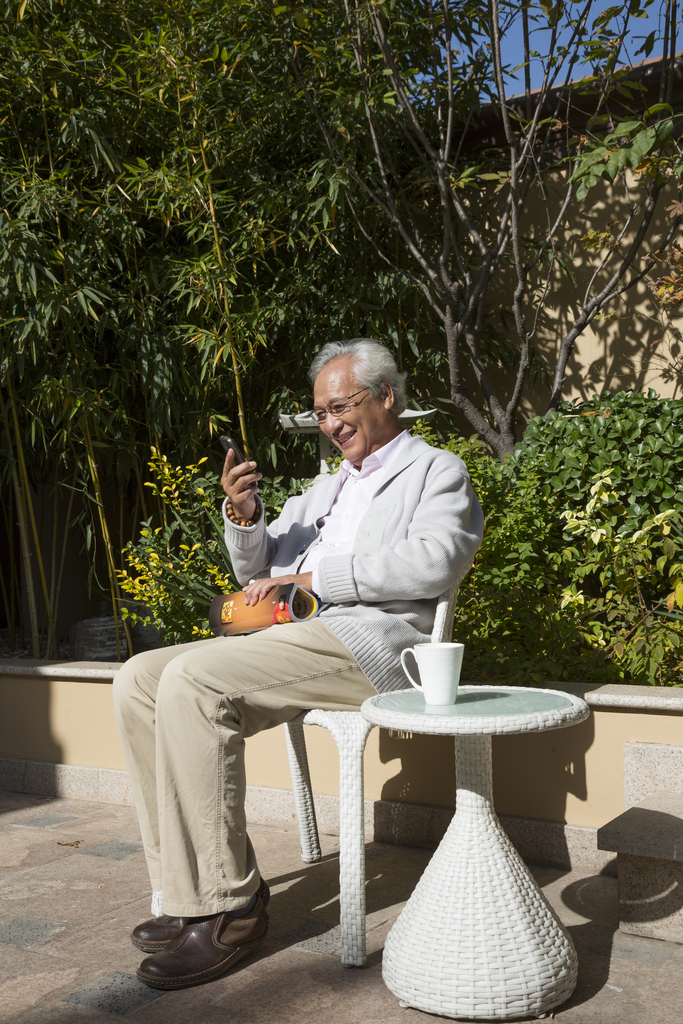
154, 935
205, 948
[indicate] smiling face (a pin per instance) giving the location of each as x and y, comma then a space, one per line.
363, 428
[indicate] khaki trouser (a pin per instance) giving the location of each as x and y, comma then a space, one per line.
183, 714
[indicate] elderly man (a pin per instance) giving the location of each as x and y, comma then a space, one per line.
377, 542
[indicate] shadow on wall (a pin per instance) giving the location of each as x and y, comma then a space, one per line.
532, 775
426, 768
30, 755
630, 348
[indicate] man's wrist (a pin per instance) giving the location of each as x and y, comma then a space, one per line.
238, 518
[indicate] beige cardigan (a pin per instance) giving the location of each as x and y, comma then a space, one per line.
421, 531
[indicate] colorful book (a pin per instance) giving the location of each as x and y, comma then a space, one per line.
229, 615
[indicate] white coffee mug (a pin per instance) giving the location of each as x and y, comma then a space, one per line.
439, 667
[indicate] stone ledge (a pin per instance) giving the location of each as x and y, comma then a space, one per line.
76, 782
540, 842
653, 829
651, 767
616, 695
554, 845
650, 902
609, 695
87, 671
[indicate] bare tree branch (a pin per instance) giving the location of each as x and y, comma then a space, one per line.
423, 148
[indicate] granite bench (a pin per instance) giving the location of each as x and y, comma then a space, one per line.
648, 841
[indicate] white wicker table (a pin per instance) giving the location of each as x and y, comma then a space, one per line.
477, 938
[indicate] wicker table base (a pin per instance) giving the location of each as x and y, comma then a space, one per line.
477, 938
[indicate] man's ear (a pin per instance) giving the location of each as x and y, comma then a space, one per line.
388, 395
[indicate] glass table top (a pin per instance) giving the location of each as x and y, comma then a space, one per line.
476, 702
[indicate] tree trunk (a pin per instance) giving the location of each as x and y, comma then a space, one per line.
502, 443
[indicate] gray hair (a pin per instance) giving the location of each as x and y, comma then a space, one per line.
372, 364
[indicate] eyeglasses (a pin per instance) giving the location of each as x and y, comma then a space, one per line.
337, 408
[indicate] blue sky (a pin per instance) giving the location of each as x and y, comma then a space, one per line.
640, 28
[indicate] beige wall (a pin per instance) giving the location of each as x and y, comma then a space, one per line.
61, 721
570, 775
632, 352
576, 775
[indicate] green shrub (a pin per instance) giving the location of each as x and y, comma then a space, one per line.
579, 556
176, 570
580, 574
638, 438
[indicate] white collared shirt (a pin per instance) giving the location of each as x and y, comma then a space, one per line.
356, 490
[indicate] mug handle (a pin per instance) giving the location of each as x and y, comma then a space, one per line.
409, 650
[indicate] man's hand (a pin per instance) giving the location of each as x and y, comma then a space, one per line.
240, 483
256, 591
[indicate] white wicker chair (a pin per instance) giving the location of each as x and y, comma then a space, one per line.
350, 732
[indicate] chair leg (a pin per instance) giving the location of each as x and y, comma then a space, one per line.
350, 732
303, 794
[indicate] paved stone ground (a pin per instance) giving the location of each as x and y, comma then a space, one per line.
73, 884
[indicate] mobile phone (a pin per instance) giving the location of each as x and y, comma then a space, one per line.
228, 443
